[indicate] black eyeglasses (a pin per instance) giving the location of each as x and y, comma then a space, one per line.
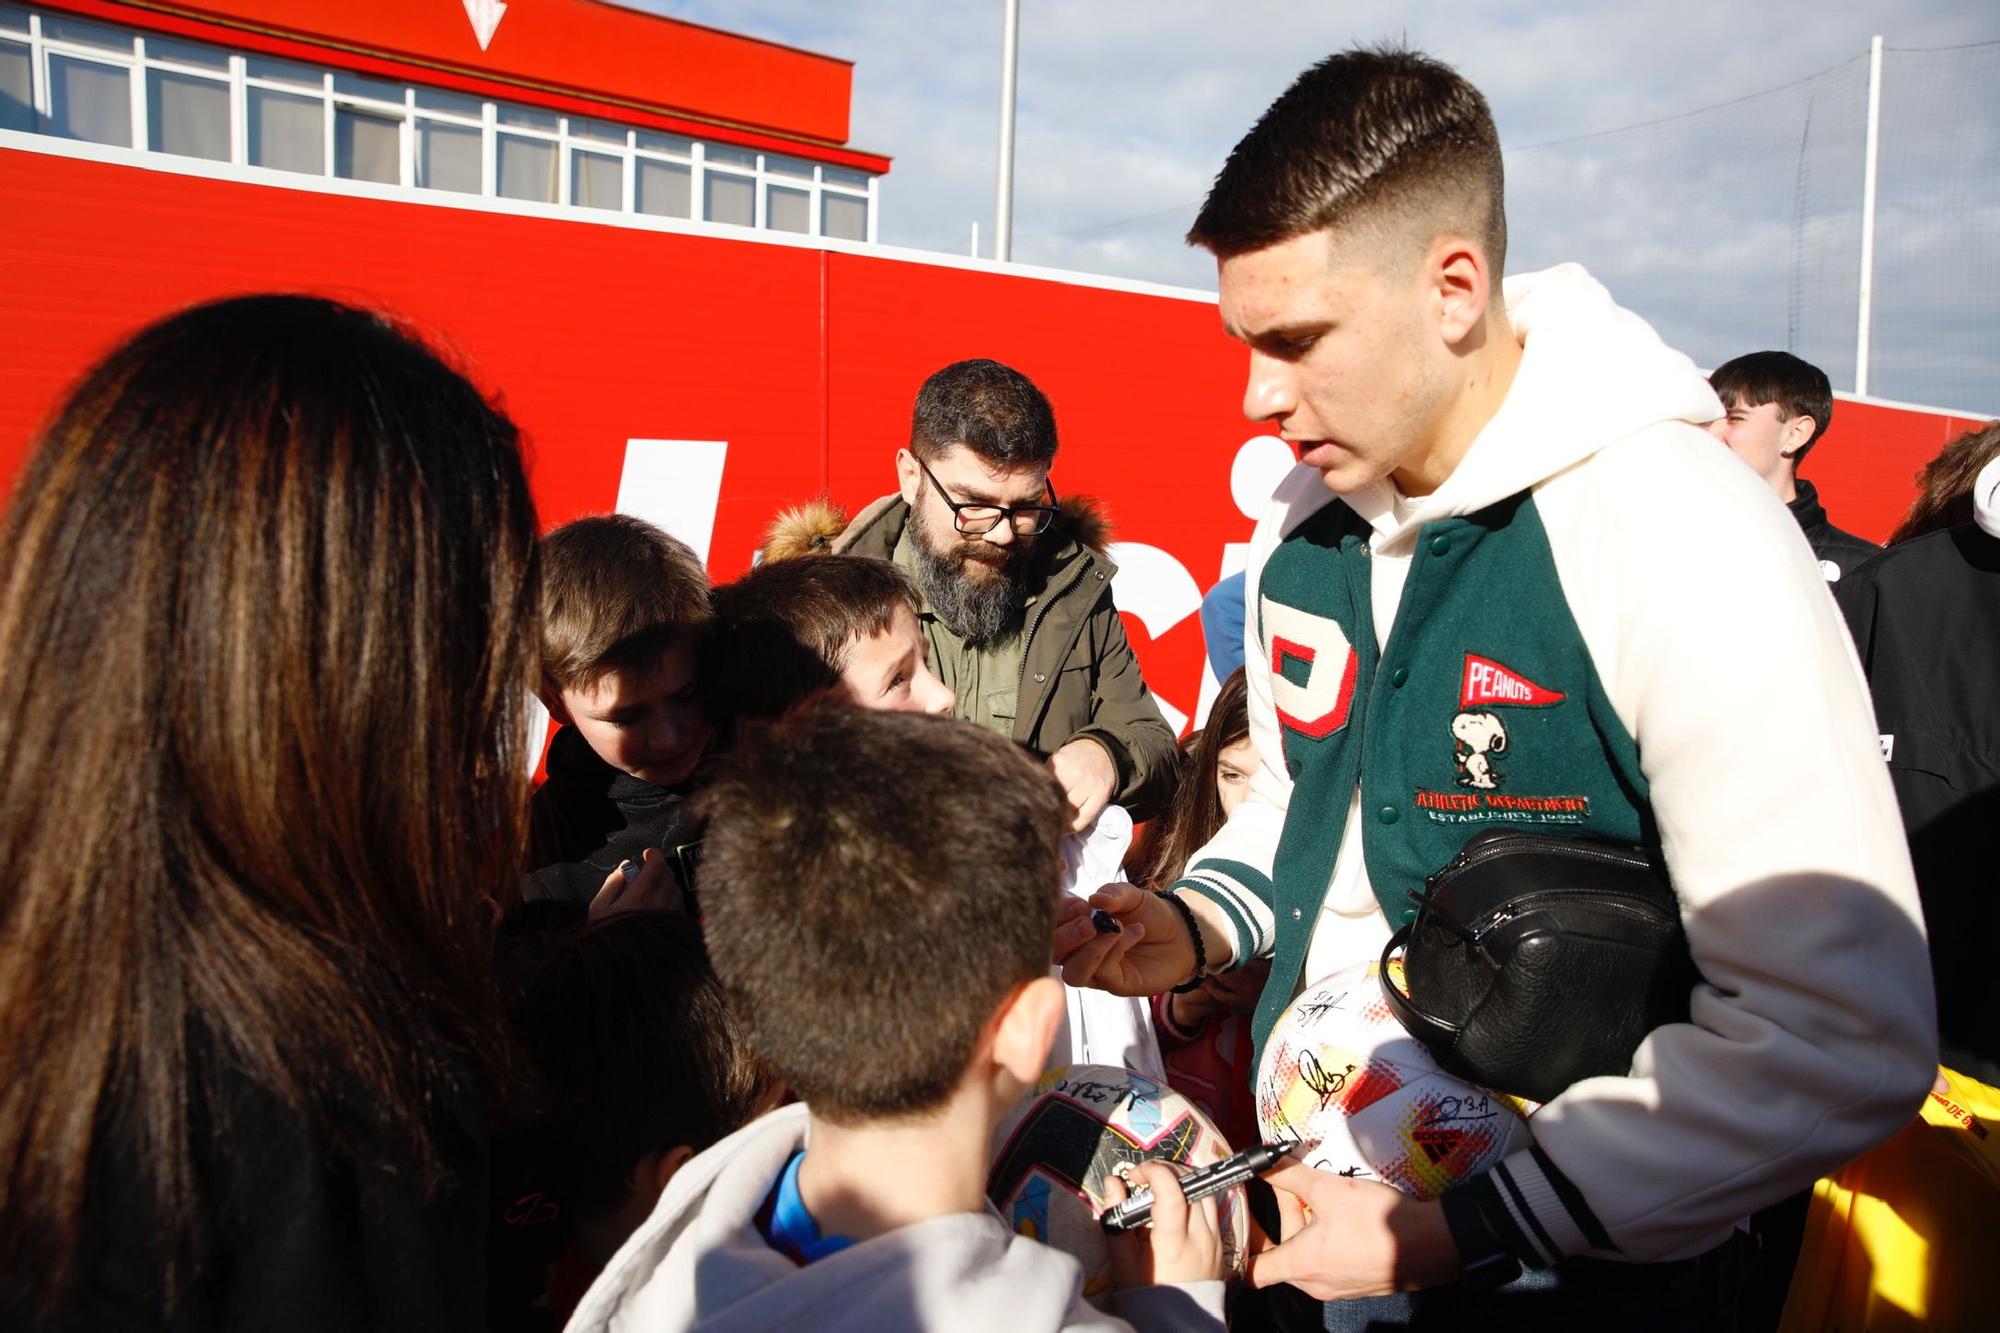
977, 519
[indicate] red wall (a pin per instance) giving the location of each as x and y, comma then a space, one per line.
803, 361
1866, 463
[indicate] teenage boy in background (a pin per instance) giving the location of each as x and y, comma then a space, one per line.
1481, 523
887, 943
1775, 408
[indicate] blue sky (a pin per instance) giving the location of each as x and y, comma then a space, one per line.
1705, 222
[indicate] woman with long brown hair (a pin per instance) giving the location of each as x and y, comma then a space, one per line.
265, 624
1945, 484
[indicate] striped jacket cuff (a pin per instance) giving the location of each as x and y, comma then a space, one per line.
1243, 893
1536, 1212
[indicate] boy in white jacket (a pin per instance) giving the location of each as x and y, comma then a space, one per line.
887, 942
1477, 603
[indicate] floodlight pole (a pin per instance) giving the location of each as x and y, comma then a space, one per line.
1868, 216
1003, 203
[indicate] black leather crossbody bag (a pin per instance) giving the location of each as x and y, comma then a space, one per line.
1538, 961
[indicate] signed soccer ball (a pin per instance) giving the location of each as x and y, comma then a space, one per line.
1079, 1125
1341, 1077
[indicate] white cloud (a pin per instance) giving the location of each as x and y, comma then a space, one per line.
1126, 110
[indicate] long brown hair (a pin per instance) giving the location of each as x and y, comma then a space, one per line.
1196, 812
267, 623
1944, 487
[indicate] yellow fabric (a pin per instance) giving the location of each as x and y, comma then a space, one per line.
1908, 1236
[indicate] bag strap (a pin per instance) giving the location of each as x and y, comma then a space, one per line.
1434, 1032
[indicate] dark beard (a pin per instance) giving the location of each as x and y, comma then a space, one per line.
981, 610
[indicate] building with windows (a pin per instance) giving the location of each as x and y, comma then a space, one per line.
652, 242
568, 102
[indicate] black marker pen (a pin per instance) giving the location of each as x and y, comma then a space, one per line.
1137, 1211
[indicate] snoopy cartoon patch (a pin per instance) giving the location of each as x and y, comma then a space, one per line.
1479, 736
1488, 692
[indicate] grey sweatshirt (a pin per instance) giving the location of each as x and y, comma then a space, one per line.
699, 1262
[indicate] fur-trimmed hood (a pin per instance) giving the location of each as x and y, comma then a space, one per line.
807, 529
821, 527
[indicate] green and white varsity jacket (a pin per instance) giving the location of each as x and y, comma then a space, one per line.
1540, 645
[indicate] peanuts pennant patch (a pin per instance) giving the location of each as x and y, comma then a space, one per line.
1488, 692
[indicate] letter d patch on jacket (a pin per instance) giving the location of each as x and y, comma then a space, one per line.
1313, 668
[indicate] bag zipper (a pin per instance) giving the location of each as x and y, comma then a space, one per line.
1571, 847
1618, 902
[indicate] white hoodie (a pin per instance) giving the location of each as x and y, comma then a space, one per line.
699, 1262
1705, 616
1986, 499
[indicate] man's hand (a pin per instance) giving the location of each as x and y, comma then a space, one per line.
1088, 778
1184, 1243
652, 888
1149, 953
1358, 1238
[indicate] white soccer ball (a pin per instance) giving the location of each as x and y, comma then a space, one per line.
1079, 1125
1342, 1078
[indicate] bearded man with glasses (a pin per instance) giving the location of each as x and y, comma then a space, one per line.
1016, 587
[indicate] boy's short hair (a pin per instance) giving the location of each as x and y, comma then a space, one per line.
992, 409
1390, 136
1799, 388
876, 885
784, 630
639, 1051
616, 592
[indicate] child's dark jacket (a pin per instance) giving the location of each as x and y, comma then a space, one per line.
589, 816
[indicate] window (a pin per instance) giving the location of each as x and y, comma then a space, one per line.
367, 145
672, 145
17, 87
82, 32
88, 100
788, 210
597, 131
664, 189
796, 168
166, 49
287, 131
597, 180
374, 90
458, 104
729, 198
289, 72
448, 156
527, 168
526, 117
843, 216
187, 114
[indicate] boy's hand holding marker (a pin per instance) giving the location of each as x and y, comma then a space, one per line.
639, 887
1183, 1243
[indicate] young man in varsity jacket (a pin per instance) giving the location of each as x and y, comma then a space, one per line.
1462, 615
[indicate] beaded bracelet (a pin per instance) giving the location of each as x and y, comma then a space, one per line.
1200, 949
